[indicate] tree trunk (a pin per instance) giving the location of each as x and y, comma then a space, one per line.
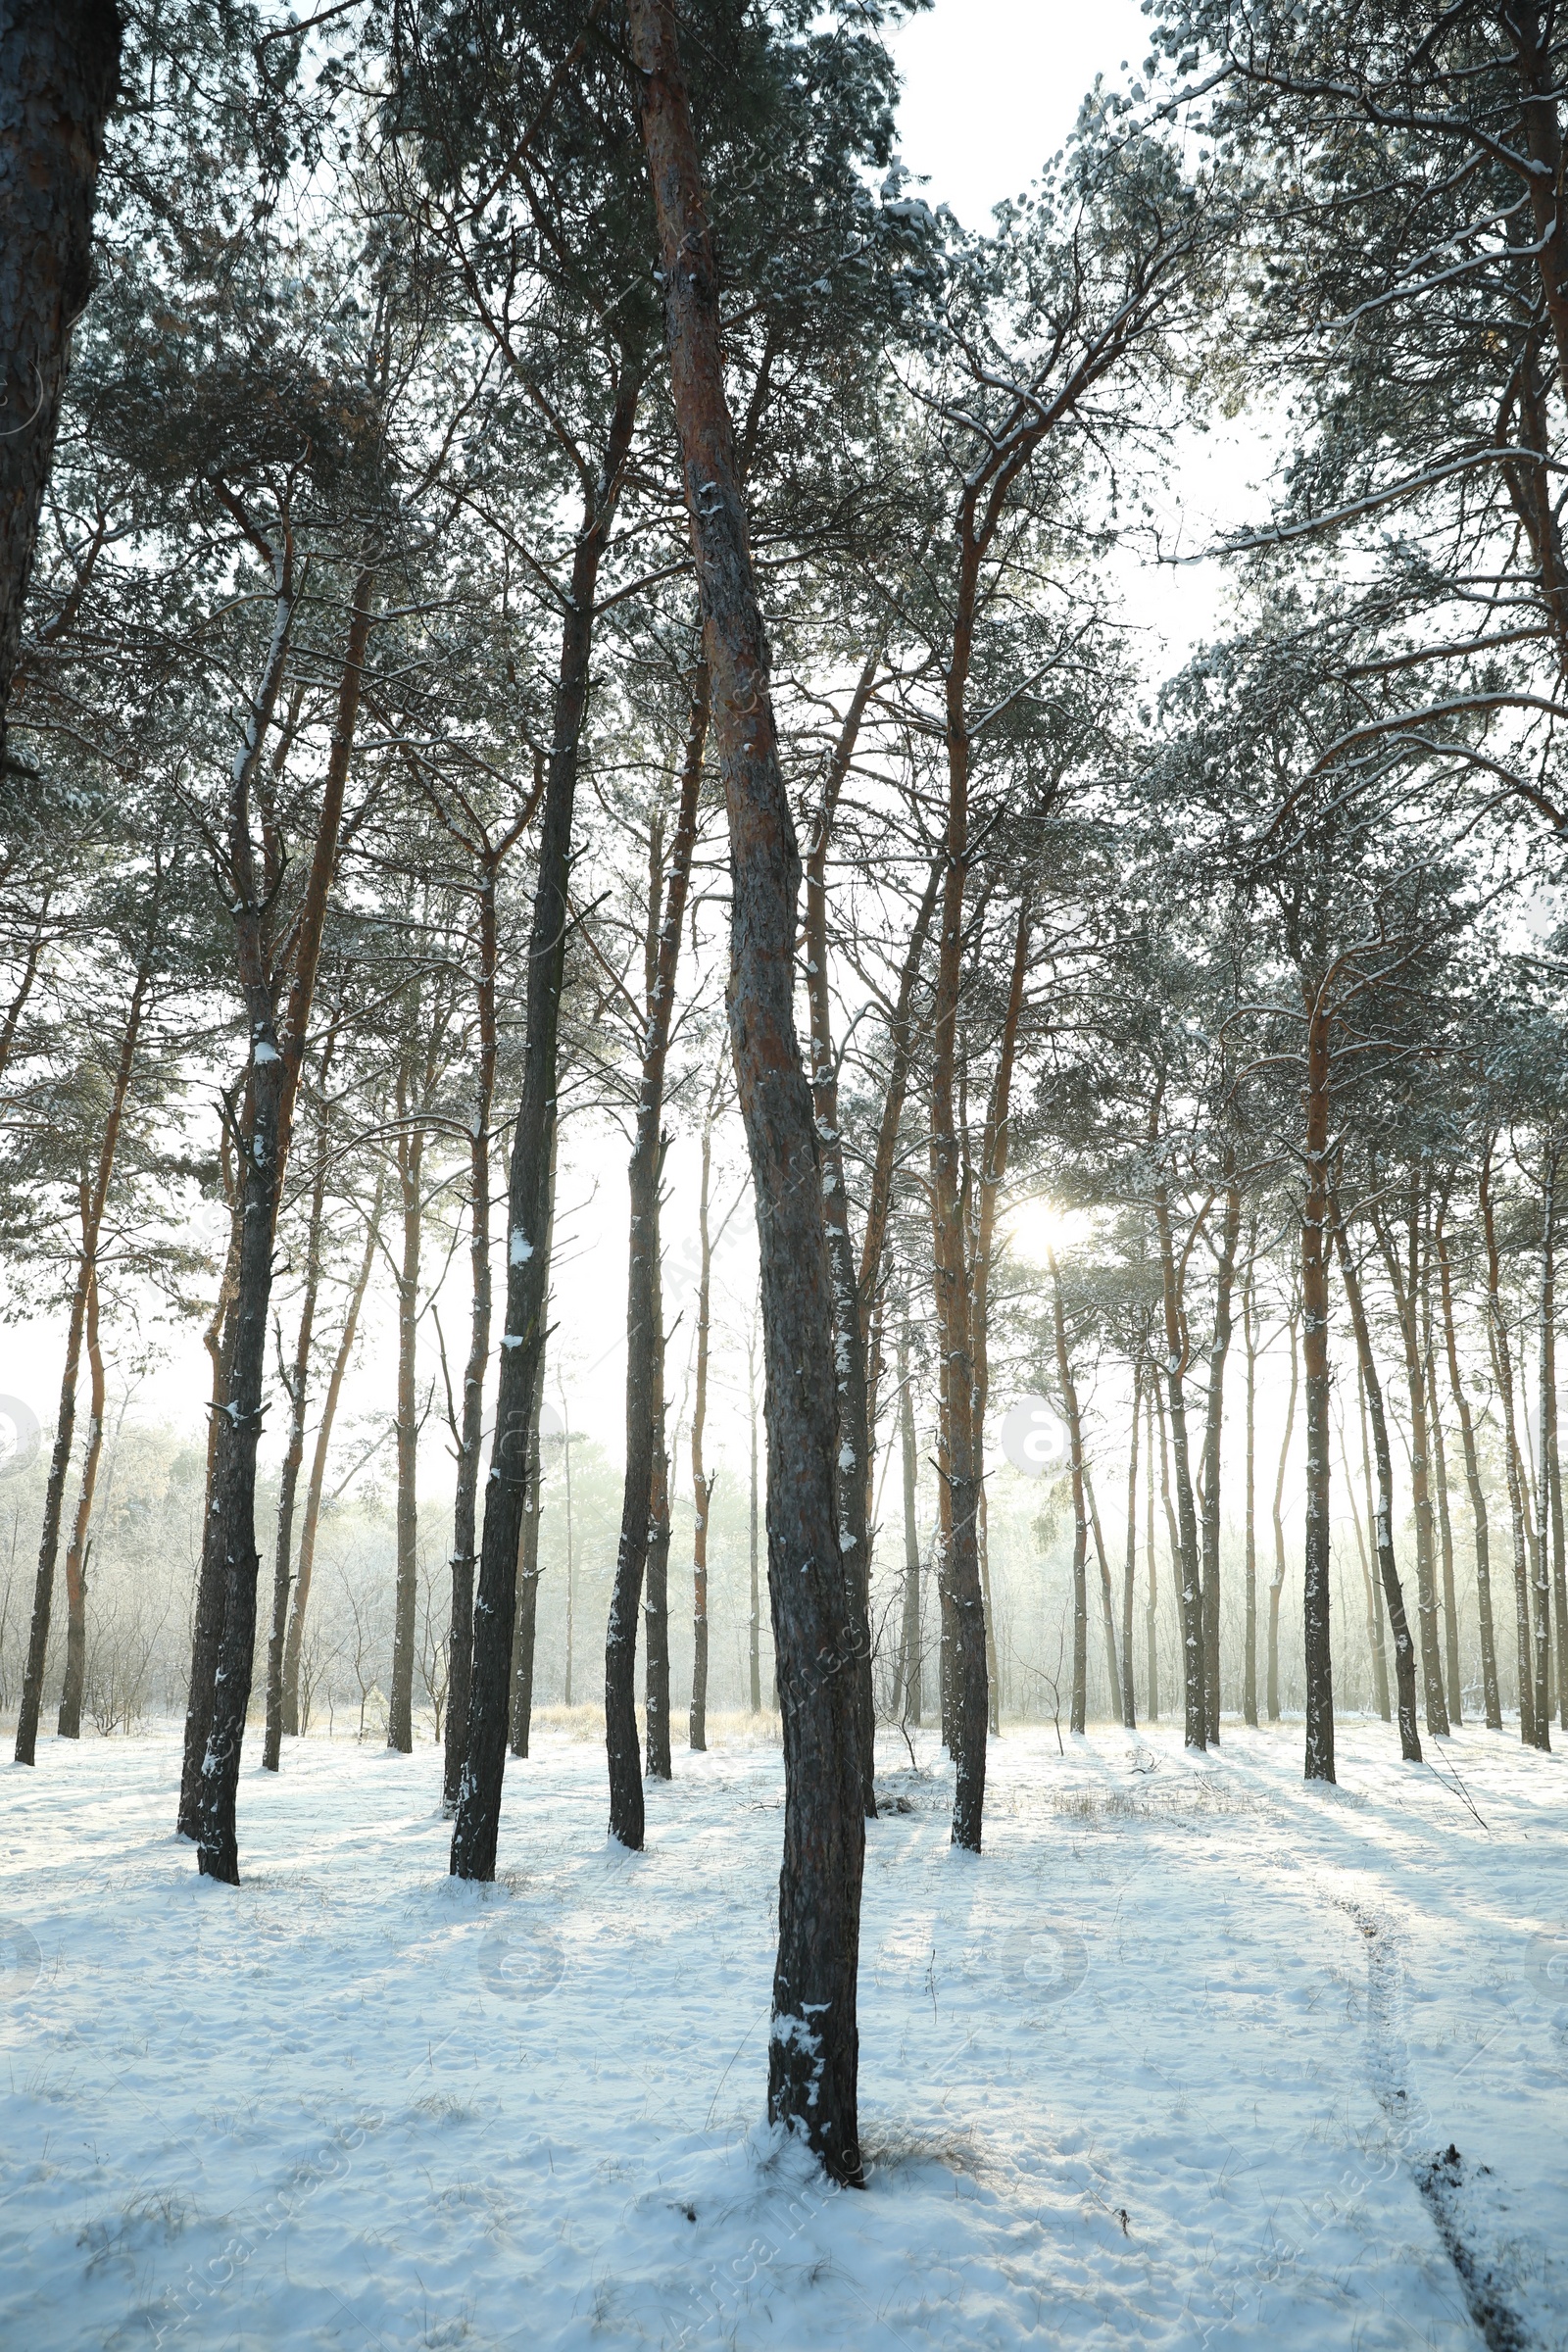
1129, 1708
526, 1615
479, 1816
59, 69
464, 1505
294, 1451
319, 1460
68, 1726
1533, 1735
1249, 1562
1080, 1518
94, 1201
1151, 1607
1192, 1612
702, 1483
1213, 1428
1277, 1583
1374, 1614
1404, 1282
912, 1692
1478, 1501
1107, 1605
410, 1152
1392, 1592
1549, 1493
222, 1652
1318, 1552
644, 1547
850, 1326
753, 1629
813, 2040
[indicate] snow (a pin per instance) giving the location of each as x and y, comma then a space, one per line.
1177, 2062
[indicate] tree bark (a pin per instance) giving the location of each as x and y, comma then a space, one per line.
1392, 1592
1195, 1679
1150, 1606
644, 1547
319, 1460
1107, 1605
703, 1481
294, 1451
1374, 1613
850, 1328
94, 1204
1080, 1518
1318, 1552
68, 1726
1548, 1488
1249, 1558
1531, 1733
410, 1159
1129, 1707
479, 1816
525, 1616
59, 69
1213, 1428
221, 1652
1404, 1282
1439, 1481
911, 1693
1490, 1696
813, 2040
1277, 1582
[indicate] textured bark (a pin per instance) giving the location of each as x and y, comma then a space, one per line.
643, 1550
1440, 1488
1213, 1429
1249, 1557
1392, 1592
59, 69
296, 1384
1191, 1593
409, 1151
1276, 1588
526, 1620
1374, 1613
317, 1478
221, 1655
1404, 1282
95, 1195
1533, 1735
1080, 1518
850, 1330
69, 1725
912, 1678
703, 1479
753, 1625
521, 1358
813, 2040
1315, 1246
1490, 1696
1129, 1703
1151, 1606
1548, 1485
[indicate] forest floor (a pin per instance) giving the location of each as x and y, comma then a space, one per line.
1195, 2055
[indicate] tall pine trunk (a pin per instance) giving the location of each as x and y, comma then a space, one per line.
410, 1159
522, 1362
1249, 1555
1533, 1734
1129, 1707
644, 1547
911, 1694
1276, 1589
813, 2040
1317, 1555
1404, 1282
1213, 1428
526, 1615
1080, 1517
1151, 1606
703, 1481
1195, 1678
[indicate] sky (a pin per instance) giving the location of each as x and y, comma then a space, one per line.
991, 90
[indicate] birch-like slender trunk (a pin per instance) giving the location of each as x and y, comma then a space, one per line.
1392, 1590
296, 1383
643, 1551
1490, 1696
1276, 1588
69, 1725
319, 1460
95, 1196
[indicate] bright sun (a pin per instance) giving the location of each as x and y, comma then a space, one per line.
1037, 1227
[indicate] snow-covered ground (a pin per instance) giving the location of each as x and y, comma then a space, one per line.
1177, 2063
